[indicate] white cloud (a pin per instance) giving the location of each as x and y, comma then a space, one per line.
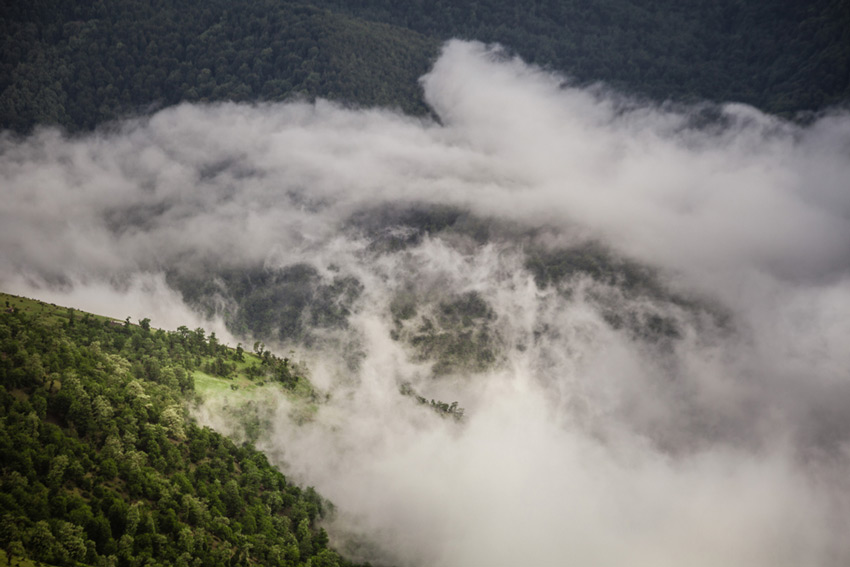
585, 444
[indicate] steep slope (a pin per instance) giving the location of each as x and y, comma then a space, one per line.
101, 464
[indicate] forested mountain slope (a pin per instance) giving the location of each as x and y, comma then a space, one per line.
102, 466
777, 55
80, 64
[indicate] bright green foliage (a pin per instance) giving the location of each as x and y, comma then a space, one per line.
100, 464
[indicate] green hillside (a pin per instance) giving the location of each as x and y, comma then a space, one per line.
102, 465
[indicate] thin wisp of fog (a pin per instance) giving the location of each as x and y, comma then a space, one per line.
643, 309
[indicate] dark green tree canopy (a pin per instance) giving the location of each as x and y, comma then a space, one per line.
79, 64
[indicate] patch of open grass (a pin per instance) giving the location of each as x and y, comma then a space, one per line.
209, 385
302, 395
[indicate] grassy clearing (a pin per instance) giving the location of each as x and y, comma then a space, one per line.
249, 377
210, 385
243, 396
206, 384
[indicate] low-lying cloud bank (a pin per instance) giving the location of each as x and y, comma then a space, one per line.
700, 419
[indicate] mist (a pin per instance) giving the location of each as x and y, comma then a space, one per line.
643, 308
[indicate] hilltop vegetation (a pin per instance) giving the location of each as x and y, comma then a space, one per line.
102, 465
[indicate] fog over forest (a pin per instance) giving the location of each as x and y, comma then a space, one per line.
644, 309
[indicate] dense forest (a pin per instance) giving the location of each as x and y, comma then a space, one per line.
82, 64
297, 304
102, 465
780, 56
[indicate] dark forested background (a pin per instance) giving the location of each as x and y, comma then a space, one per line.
778, 55
78, 64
